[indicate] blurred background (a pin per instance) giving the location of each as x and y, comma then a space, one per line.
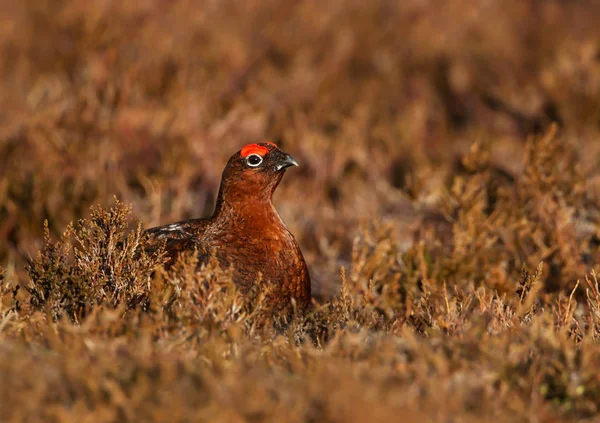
379, 102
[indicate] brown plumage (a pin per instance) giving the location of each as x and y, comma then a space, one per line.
245, 231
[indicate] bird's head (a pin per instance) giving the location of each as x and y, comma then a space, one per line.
254, 172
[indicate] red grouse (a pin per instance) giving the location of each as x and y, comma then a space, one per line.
245, 231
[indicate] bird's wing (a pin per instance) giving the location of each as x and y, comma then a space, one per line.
178, 238
179, 230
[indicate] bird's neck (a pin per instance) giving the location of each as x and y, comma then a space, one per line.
246, 214
247, 205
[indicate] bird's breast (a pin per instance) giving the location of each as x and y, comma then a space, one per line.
274, 254
266, 249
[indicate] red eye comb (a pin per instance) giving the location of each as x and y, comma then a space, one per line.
255, 149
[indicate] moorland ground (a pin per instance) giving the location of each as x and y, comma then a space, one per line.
447, 203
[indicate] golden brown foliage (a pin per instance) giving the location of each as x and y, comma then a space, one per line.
451, 229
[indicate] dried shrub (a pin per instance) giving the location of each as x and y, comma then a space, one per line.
107, 267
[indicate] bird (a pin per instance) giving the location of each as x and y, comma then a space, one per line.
245, 230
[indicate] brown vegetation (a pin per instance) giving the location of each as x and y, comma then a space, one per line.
451, 230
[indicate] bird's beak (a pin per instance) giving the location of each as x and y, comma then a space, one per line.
285, 162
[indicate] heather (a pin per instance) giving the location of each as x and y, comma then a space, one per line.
447, 204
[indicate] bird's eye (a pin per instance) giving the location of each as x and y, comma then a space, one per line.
254, 160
